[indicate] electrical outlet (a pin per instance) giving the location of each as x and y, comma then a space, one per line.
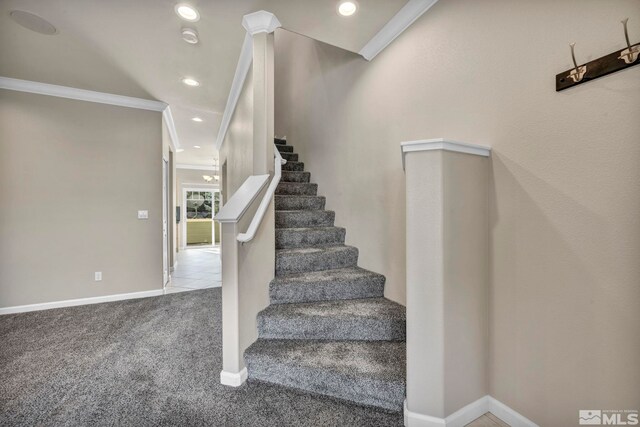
143, 214
98, 276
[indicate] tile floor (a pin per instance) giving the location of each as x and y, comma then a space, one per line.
197, 268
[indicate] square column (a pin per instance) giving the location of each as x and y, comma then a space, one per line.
447, 226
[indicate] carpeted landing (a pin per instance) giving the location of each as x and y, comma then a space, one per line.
147, 362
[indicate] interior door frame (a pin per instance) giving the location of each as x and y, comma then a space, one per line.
165, 223
183, 214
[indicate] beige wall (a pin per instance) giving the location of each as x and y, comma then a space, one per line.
73, 175
564, 182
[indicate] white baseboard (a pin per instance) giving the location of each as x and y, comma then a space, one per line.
467, 414
508, 415
233, 379
79, 301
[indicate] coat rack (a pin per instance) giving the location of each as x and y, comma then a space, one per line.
600, 67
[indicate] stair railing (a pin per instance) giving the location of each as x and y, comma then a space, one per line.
264, 204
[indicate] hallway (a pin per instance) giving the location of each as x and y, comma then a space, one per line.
196, 269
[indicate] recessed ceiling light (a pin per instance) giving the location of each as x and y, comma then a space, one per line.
33, 22
197, 119
196, 146
179, 150
347, 8
190, 82
190, 35
187, 12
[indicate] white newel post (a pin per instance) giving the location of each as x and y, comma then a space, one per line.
447, 236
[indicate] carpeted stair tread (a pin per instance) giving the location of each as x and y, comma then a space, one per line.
285, 148
299, 203
364, 372
338, 284
306, 218
299, 260
297, 189
309, 237
292, 176
279, 141
289, 157
369, 319
293, 166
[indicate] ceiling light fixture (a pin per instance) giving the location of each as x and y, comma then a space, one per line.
197, 119
207, 178
190, 82
33, 22
179, 150
190, 35
196, 146
187, 12
347, 8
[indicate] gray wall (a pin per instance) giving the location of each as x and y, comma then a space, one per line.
72, 176
564, 183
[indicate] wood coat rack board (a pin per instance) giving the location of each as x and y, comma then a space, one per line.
600, 67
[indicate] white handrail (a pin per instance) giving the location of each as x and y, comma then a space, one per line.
264, 204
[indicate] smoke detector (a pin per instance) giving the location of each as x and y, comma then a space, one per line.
190, 35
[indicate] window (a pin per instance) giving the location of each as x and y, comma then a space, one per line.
200, 205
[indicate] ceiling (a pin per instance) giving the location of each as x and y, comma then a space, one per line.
134, 48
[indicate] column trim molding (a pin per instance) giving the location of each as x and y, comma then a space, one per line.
443, 144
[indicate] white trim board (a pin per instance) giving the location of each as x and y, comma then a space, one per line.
233, 379
443, 144
396, 26
171, 126
467, 414
80, 94
253, 23
80, 301
242, 69
196, 167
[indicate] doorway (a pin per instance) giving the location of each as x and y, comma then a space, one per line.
198, 228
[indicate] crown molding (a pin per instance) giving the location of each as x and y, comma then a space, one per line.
396, 26
196, 167
80, 94
171, 126
260, 22
443, 144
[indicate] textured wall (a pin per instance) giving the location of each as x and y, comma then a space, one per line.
564, 184
73, 175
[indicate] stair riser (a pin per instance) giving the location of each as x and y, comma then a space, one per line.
293, 166
290, 157
289, 263
295, 219
293, 238
295, 203
295, 176
297, 189
326, 291
322, 328
364, 391
285, 148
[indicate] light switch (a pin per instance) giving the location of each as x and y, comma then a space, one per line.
143, 214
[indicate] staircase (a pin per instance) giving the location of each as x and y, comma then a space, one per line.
329, 330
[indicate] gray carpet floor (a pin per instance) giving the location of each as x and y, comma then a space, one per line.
147, 362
